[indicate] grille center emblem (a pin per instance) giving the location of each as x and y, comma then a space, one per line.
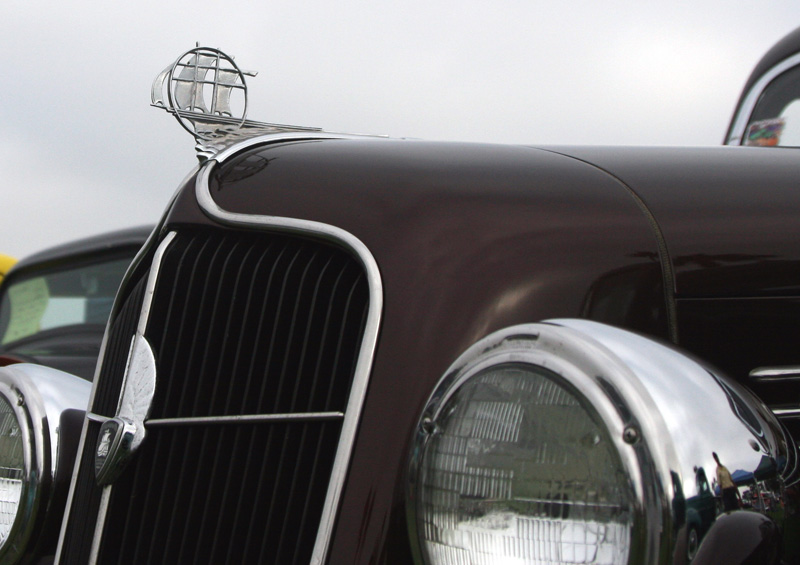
120, 436
113, 450
106, 437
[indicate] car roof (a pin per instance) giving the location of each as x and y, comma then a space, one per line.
786, 47
129, 237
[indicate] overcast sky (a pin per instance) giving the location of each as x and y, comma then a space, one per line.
81, 150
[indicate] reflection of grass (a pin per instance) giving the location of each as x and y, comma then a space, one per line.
776, 513
791, 543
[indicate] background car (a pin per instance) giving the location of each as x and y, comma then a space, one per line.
768, 111
54, 305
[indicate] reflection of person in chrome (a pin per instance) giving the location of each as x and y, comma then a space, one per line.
731, 499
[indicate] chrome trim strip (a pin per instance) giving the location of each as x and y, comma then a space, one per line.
776, 374
245, 419
147, 303
136, 260
786, 413
97, 418
368, 345
99, 525
144, 315
749, 102
75, 469
284, 137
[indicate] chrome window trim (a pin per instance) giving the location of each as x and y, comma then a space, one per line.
143, 317
368, 345
749, 103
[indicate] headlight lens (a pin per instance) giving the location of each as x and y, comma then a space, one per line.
12, 468
518, 468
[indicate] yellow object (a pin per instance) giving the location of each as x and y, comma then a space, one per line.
6, 263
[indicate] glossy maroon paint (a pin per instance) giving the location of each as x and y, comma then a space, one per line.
728, 214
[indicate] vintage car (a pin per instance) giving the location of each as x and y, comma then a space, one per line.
348, 349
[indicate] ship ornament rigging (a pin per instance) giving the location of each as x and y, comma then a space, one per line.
206, 92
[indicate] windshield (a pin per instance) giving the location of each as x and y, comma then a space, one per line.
54, 299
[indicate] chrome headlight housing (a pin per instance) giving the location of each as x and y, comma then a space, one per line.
14, 450
33, 403
576, 442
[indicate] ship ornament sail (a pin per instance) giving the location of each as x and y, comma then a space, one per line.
207, 93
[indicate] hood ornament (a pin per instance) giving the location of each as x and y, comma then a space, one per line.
207, 93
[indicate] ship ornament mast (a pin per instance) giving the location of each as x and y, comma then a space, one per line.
206, 92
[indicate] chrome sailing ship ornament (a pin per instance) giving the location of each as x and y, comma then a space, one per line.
207, 93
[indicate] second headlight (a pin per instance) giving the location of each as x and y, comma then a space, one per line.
519, 468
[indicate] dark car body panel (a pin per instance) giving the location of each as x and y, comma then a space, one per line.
728, 214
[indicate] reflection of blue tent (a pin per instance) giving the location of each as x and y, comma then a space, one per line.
766, 469
740, 477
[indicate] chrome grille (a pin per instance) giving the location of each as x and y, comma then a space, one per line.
248, 324
247, 493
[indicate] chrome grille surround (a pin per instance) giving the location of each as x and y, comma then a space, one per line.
349, 417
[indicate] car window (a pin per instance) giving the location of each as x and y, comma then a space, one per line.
775, 120
78, 295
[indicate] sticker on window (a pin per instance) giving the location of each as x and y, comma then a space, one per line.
765, 133
28, 303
